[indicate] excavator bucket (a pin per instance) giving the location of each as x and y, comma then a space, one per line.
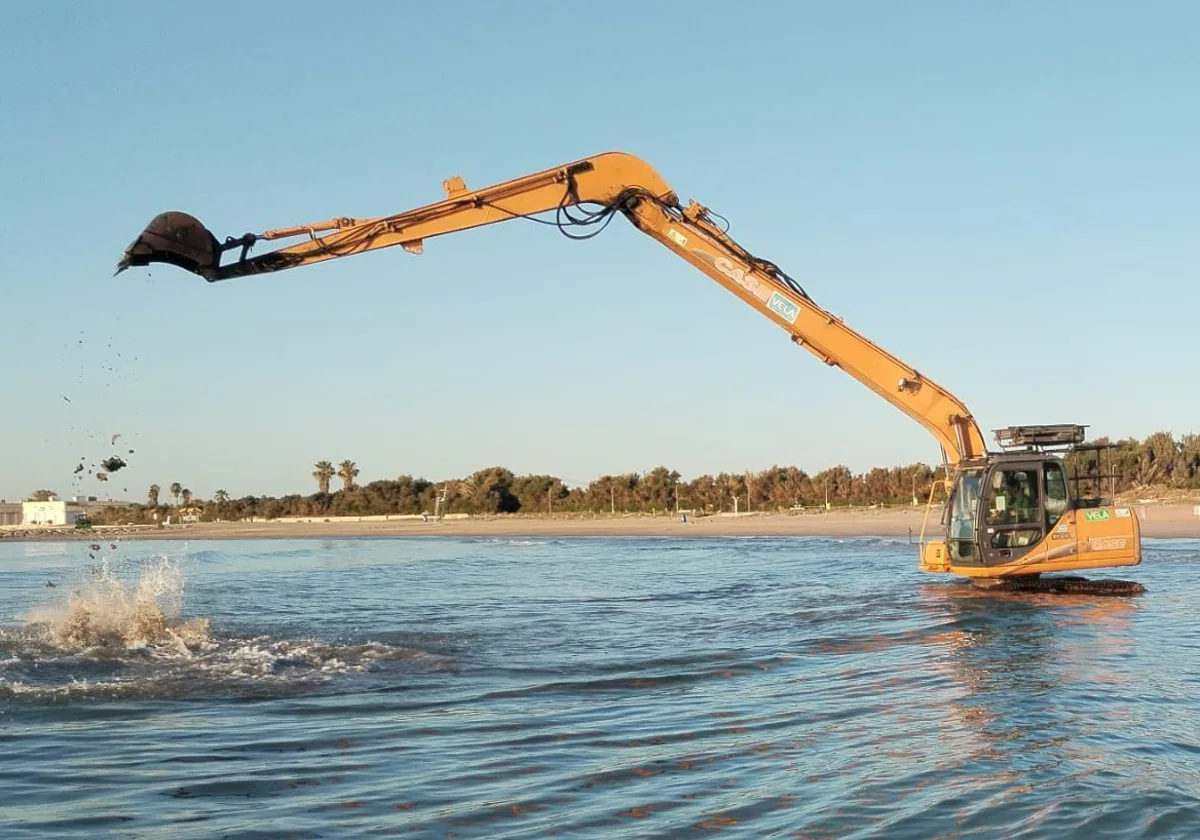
178, 239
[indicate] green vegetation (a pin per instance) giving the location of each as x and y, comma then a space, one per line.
347, 472
1160, 460
323, 474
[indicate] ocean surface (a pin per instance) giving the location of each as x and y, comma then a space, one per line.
590, 688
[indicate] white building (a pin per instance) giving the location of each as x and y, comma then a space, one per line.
53, 512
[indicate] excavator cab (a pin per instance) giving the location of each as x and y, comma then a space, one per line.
1013, 505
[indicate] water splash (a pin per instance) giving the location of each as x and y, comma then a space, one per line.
108, 611
120, 633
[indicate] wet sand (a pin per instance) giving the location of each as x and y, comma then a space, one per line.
1160, 521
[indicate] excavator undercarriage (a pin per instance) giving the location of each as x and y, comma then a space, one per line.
1061, 585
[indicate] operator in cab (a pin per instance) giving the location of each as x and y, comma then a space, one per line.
1020, 503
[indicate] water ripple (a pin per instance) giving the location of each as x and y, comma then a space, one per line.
600, 688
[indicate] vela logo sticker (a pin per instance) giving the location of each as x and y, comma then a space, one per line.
783, 307
1095, 515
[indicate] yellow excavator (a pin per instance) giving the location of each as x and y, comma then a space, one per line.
1009, 516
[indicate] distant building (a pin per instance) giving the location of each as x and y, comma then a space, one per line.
52, 512
10, 513
190, 514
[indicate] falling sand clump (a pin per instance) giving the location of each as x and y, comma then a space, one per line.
107, 612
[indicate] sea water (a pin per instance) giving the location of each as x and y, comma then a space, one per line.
447, 687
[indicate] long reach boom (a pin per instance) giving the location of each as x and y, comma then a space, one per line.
586, 194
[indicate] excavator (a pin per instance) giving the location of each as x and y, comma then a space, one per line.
1010, 517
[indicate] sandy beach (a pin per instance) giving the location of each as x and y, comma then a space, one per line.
1158, 521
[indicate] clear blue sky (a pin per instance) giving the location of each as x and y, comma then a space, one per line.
1004, 196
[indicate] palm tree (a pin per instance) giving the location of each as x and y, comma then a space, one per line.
323, 474
187, 496
152, 496
347, 472
176, 491
221, 497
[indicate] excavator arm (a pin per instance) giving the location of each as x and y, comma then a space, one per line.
584, 196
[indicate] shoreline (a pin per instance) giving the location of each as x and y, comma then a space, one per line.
1168, 521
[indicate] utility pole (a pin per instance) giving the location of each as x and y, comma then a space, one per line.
677, 498
736, 499
825, 481
612, 498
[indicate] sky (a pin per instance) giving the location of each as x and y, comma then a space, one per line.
1003, 195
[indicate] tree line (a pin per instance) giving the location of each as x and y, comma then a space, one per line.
1159, 460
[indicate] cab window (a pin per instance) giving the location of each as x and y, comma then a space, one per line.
1014, 515
960, 513
1014, 497
1056, 492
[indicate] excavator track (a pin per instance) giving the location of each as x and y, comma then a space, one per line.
1066, 585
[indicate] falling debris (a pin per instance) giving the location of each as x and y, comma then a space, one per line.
64, 396
79, 469
113, 440
113, 464
102, 476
